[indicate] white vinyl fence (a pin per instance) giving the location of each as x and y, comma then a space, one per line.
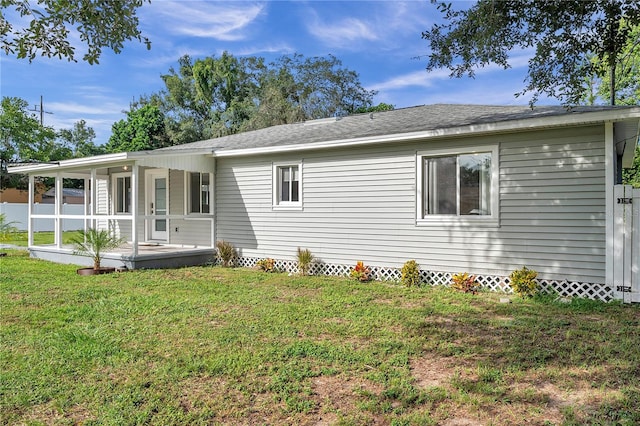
18, 213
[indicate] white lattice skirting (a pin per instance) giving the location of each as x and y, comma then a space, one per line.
562, 288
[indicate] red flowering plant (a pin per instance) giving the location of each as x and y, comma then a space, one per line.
465, 283
360, 272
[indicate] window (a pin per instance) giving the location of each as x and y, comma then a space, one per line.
122, 193
199, 193
458, 185
287, 185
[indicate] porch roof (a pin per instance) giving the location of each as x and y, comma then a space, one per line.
192, 159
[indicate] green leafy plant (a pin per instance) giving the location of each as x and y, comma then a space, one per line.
266, 265
360, 272
465, 282
411, 273
93, 243
523, 282
7, 229
305, 259
226, 252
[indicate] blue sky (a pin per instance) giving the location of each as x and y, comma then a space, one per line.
378, 39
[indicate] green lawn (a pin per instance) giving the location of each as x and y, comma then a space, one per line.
39, 238
207, 345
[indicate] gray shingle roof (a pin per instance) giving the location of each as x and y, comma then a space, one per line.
404, 120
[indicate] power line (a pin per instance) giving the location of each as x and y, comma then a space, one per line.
41, 111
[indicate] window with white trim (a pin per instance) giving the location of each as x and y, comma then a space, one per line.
458, 185
122, 193
287, 185
199, 186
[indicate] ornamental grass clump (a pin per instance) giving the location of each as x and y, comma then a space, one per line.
305, 259
360, 272
411, 273
465, 283
523, 282
226, 253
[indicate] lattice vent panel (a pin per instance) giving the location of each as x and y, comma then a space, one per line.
491, 282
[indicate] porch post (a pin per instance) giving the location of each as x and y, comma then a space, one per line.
94, 196
134, 207
609, 175
30, 202
58, 211
88, 189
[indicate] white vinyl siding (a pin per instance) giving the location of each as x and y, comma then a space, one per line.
183, 231
360, 204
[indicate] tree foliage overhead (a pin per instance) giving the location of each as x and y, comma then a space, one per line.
563, 34
217, 96
44, 27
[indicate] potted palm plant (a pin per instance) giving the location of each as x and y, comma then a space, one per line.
93, 243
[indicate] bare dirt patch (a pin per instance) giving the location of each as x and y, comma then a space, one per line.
336, 395
432, 371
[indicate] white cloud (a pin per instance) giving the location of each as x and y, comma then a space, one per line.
218, 20
342, 33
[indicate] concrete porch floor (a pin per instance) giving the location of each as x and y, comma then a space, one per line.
150, 256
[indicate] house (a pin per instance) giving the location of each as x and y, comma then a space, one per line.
69, 196
483, 189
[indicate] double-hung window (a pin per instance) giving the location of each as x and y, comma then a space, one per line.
287, 185
122, 193
199, 193
458, 186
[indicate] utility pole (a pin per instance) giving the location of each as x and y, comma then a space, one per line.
41, 111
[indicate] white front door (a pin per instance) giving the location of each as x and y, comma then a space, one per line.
157, 204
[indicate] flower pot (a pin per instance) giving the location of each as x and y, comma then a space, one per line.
91, 271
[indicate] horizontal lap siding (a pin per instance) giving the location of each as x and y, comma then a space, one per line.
360, 205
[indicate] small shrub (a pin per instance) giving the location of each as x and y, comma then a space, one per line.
410, 273
226, 252
360, 272
7, 229
523, 282
267, 265
305, 259
465, 282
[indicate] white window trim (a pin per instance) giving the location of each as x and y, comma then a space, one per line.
114, 192
492, 220
187, 195
275, 185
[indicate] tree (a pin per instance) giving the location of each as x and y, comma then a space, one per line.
627, 77
79, 140
631, 176
142, 130
563, 34
98, 24
218, 96
22, 136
